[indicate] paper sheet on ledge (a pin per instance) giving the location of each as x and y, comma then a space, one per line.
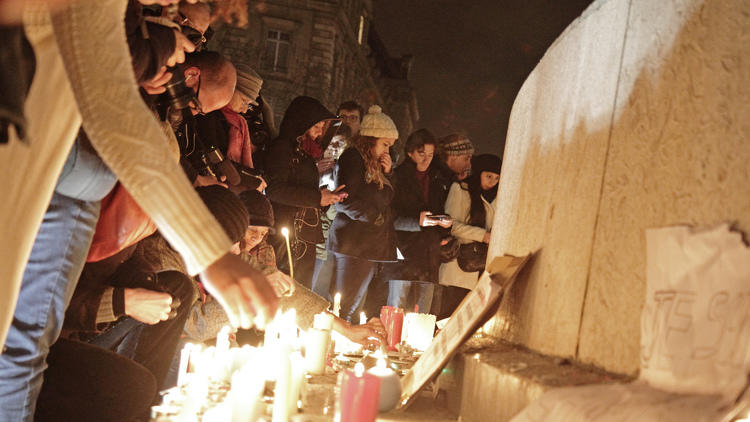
695, 333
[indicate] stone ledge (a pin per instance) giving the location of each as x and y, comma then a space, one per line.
493, 380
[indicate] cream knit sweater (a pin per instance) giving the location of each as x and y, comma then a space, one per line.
84, 75
91, 37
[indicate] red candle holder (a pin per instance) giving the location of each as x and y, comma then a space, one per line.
358, 396
393, 321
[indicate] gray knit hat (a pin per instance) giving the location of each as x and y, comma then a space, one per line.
377, 124
456, 144
248, 82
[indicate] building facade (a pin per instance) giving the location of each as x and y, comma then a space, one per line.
326, 49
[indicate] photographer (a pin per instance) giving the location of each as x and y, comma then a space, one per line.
228, 131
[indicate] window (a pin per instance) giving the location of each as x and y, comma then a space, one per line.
277, 51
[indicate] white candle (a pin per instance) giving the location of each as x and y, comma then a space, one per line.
184, 360
283, 383
419, 330
246, 390
337, 304
222, 339
297, 363
362, 318
285, 233
317, 343
323, 321
390, 386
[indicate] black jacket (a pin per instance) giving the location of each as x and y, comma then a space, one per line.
292, 176
420, 246
363, 226
444, 178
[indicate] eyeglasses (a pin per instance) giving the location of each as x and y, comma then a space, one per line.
192, 33
349, 117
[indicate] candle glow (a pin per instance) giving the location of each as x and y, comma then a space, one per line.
285, 233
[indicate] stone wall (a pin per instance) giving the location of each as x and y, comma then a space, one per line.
638, 116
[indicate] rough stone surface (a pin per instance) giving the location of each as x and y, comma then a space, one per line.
638, 116
499, 381
551, 179
679, 154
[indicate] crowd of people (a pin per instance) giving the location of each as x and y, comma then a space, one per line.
148, 189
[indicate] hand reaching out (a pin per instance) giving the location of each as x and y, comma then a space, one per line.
242, 291
369, 335
282, 284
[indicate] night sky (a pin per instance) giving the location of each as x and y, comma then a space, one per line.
471, 57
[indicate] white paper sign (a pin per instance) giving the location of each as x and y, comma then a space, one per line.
695, 325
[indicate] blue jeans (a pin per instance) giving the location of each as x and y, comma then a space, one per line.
51, 274
325, 270
353, 277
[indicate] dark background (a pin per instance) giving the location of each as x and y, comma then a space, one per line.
471, 57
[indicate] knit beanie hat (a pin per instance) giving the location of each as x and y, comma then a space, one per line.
227, 208
259, 208
248, 82
485, 162
377, 124
456, 145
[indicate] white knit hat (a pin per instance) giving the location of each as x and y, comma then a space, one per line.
377, 124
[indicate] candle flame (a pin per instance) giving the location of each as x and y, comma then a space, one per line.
359, 369
285, 232
381, 363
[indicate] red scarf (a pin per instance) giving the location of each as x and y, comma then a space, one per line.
240, 148
311, 147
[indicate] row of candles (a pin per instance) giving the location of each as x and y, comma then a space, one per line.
361, 393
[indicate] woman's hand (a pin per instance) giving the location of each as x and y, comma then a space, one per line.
369, 335
486, 238
242, 291
282, 284
386, 162
329, 198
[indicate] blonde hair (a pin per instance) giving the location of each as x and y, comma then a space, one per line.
373, 170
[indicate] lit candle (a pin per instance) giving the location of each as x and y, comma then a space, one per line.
317, 343
297, 364
285, 233
390, 385
337, 304
323, 321
247, 387
222, 339
359, 393
282, 392
419, 330
184, 361
362, 318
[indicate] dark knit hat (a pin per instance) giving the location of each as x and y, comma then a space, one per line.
259, 208
456, 144
485, 162
227, 208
